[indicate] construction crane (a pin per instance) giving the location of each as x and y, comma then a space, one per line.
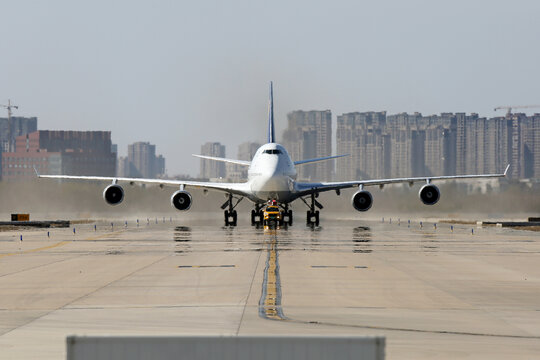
509, 108
9, 106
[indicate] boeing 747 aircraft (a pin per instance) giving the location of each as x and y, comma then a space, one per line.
272, 177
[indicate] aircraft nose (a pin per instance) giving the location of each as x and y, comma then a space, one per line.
272, 169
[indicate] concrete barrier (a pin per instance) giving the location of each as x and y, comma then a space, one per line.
226, 347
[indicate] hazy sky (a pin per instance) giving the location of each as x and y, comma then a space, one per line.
178, 73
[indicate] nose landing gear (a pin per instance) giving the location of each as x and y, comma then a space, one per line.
271, 214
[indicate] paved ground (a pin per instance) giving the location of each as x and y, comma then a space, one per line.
432, 292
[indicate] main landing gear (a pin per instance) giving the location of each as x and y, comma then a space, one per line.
312, 218
257, 215
231, 216
286, 215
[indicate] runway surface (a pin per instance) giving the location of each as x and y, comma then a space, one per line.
433, 292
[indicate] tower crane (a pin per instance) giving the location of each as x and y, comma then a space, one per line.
509, 108
9, 106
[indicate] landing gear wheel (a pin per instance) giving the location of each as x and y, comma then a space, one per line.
289, 213
256, 217
253, 220
312, 218
231, 218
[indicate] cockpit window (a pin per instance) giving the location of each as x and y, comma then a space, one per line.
272, 151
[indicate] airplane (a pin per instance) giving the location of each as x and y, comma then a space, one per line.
272, 178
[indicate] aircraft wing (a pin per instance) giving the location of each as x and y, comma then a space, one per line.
318, 159
242, 189
232, 161
309, 188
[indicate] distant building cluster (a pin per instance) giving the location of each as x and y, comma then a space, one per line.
379, 146
219, 170
141, 162
309, 136
399, 145
404, 145
246, 151
23, 148
59, 152
212, 169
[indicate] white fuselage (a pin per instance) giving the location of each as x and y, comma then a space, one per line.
271, 174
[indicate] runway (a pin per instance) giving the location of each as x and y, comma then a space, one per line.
433, 291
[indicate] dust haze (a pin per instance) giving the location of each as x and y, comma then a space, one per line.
51, 200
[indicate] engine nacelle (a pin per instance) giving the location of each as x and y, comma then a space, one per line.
429, 194
362, 200
113, 194
181, 200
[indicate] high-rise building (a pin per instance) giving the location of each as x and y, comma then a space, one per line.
519, 127
407, 132
460, 143
122, 167
535, 129
159, 166
19, 126
362, 136
143, 162
309, 135
246, 151
211, 169
496, 141
435, 159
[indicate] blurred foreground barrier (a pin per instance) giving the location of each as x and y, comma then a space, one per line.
225, 347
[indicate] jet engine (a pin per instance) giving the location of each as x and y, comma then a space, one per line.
429, 194
113, 194
181, 200
362, 200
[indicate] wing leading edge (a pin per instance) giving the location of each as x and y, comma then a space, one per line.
232, 161
234, 188
309, 188
318, 159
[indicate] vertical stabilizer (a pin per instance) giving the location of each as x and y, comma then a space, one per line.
271, 131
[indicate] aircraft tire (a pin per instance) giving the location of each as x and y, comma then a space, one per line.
290, 217
253, 215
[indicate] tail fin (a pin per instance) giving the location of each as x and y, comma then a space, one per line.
271, 132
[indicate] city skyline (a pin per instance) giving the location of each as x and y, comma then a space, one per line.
437, 144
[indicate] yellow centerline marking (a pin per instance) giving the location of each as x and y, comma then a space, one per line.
271, 304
